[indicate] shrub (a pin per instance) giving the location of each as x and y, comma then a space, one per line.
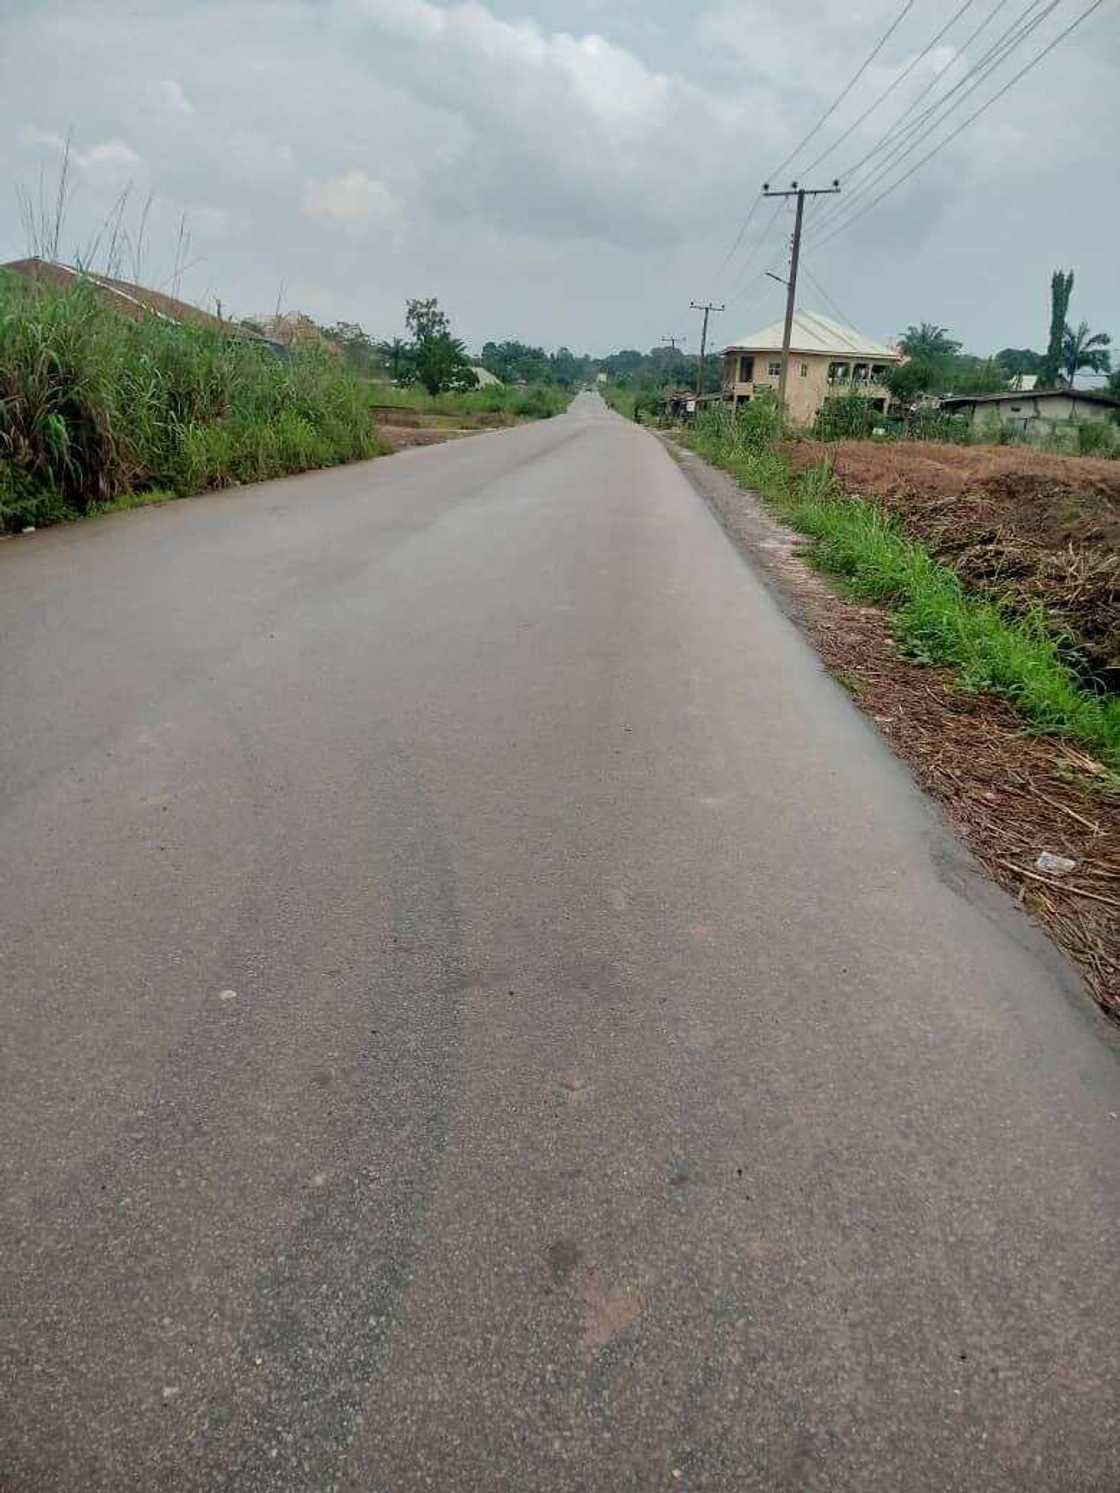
846, 417
1096, 438
938, 425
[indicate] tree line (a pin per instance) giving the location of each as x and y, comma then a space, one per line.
431, 355
936, 363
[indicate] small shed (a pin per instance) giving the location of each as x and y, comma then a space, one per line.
1036, 410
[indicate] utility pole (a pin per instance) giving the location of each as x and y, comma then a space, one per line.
707, 308
672, 342
791, 296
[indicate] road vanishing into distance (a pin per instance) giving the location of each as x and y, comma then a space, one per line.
481, 1010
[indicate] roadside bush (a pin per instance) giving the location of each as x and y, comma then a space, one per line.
94, 406
846, 417
538, 403
649, 406
938, 425
1096, 438
621, 398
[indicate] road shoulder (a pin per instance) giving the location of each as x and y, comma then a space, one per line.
1008, 795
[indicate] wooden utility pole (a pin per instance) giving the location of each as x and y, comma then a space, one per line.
791, 295
672, 342
707, 308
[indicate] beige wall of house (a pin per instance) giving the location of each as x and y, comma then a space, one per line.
813, 377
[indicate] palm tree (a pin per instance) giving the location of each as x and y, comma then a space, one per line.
928, 342
1080, 349
1061, 288
395, 353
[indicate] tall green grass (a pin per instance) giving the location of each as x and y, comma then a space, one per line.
94, 406
1020, 657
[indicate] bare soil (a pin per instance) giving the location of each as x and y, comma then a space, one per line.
1039, 529
399, 437
1009, 795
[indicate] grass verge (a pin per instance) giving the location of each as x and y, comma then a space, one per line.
95, 407
936, 620
528, 402
624, 400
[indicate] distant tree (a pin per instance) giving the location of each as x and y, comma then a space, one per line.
1061, 288
928, 342
908, 380
620, 364
516, 362
424, 319
396, 354
439, 362
971, 375
359, 348
566, 369
435, 358
1082, 349
1016, 360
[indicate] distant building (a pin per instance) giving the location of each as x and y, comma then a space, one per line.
1039, 411
826, 358
1023, 383
127, 299
486, 379
600, 377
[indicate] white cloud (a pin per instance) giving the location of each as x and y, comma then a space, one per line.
353, 198
32, 137
110, 153
168, 96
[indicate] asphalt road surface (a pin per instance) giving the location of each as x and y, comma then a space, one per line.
481, 1010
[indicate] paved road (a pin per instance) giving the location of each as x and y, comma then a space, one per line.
482, 1011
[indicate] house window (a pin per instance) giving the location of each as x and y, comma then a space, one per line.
746, 370
837, 373
774, 367
804, 370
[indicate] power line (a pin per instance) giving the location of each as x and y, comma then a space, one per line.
986, 67
753, 252
926, 50
933, 82
843, 94
920, 129
730, 255
1084, 16
847, 320
896, 146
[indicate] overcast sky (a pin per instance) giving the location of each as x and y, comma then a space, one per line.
568, 173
